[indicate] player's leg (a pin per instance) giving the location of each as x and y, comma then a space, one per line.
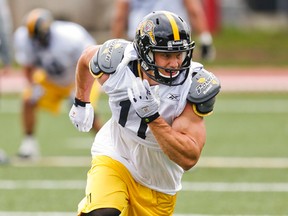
106, 191
145, 201
43, 94
97, 124
3, 157
29, 147
103, 212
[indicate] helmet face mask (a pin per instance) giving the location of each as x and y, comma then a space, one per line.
164, 32
38, 24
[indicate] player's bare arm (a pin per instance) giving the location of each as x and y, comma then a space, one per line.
183, 141
84, 79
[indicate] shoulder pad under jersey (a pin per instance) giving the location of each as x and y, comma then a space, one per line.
205, 85
108, 56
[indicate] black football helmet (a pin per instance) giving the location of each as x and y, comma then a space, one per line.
38, 22
163, 31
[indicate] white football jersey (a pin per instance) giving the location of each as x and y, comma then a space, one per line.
128, 140
59, 59
140, 8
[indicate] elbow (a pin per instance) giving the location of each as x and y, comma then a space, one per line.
188, 164
190, 160
191, 155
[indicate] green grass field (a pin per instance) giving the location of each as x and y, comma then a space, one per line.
250, 47
243, 169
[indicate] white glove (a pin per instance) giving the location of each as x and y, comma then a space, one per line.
143, 100
206, 45
82, 116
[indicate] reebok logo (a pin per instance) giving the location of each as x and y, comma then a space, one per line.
173, 97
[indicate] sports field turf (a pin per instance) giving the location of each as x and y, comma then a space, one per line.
243, 169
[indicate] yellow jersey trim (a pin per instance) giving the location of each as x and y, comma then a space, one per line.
95, 76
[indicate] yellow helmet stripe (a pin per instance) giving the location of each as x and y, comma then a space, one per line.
174, 26
32, 20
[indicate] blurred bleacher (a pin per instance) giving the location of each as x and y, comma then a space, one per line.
95, 15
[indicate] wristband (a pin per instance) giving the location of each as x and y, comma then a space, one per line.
149, 119
78, 102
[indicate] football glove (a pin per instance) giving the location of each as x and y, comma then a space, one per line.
143, 100
82, 115
206, 46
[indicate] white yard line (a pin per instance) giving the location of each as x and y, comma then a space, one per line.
208, 162
42, 184
235, 187
243, 162
54, 161
249, 106
187, 186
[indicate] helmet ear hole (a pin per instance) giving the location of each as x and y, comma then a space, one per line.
157, 21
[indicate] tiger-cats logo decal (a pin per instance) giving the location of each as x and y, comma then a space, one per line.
147, 29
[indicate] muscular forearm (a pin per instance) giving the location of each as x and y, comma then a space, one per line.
84, 81
181, 148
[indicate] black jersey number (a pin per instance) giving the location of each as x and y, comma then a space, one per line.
54, 68
125, 106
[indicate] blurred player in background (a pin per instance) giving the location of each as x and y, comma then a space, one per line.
5, 50
48, 51
5, 36
129, 12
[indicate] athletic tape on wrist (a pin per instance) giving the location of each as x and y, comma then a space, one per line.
149, 119
78, 102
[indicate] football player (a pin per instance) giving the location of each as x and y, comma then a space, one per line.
158, 98
48, 51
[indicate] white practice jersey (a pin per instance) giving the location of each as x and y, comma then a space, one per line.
59, 59
140, 8
128, 140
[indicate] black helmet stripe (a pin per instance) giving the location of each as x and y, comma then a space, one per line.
174, 26
32, 21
